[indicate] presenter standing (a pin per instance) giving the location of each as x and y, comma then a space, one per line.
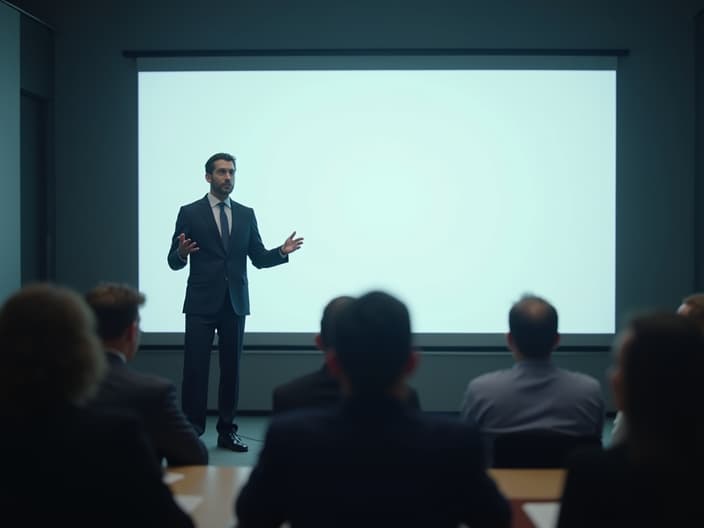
217, 234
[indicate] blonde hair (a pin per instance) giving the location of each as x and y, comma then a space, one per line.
50, 354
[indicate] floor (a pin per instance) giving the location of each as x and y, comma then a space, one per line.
252, 429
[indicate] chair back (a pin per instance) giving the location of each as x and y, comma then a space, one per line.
537, 449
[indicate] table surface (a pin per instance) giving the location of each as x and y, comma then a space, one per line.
219, 485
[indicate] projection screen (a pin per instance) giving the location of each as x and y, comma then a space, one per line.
457, 184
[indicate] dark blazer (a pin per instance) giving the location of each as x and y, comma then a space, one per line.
213, 271
317, 389
606, 489
370, 463
83, 469
153, 399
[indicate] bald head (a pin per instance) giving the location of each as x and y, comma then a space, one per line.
693, 308
533, 325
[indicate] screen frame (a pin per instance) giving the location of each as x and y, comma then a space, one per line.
387, 59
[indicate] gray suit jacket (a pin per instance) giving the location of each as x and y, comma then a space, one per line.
535, 396
153, 400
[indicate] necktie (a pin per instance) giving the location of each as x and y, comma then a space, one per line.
224, 227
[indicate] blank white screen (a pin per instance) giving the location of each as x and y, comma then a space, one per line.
456, 190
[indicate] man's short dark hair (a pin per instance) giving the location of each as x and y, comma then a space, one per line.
662, 360
533, 325
373, 342
330, 314
210, 164
116, 307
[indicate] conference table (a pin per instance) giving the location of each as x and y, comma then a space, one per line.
208, 492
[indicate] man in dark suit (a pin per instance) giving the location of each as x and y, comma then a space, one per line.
64, 464
320, 388
321, 468
217, 235
151, 398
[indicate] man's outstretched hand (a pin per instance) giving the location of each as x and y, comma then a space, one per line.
291, 244
186, 246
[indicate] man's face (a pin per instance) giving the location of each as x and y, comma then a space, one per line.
138, 334
222, 180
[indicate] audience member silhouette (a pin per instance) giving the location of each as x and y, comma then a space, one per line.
151, 398
321, 468
66, 465
692, 306
650, 479
321, 388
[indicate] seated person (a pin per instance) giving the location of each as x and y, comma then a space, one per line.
151, 398
692, 307
372, 461
535, 395
650, 479
321, 388
66, 465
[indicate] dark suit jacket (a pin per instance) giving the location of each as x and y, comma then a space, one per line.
606, 489
317, 389
153, 399
213, 271
81, 468
370, 463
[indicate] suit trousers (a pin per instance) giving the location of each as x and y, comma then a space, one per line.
200, 330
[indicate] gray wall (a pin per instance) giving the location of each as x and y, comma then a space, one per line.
10, 270
699, 146
36, 161
96, 127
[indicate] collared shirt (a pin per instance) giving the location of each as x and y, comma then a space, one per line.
214, 206
213, 201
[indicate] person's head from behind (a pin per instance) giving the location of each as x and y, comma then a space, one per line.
532, 325
51, 354
373, 353
693, 307
655, 382
220, 174
116, 309
325, 340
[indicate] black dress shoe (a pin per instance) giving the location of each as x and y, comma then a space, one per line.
232, 441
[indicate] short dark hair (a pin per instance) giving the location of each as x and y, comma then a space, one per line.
330, 314
373, 342
695, 302
533, 325
661, 360
116, 307
49, 350
210, 164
